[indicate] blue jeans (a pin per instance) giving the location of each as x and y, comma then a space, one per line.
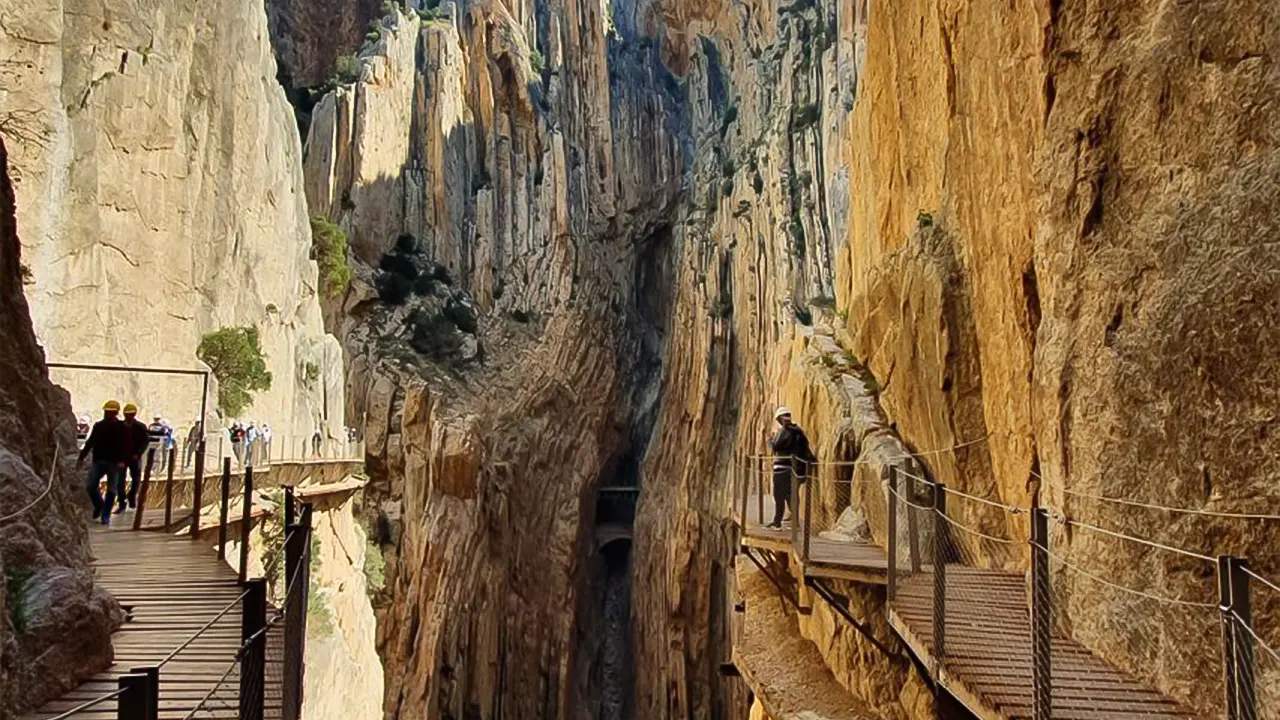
115, 486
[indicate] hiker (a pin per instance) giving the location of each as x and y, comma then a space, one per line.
166, 445
266, 442
791, 456
139, 438
237, 442
155, 439
108, 440
251, 438
192, 445
82, 430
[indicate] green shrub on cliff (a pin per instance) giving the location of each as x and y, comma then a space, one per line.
234, 354
536, 63
15, 596
346, 70
329, 248
374, 568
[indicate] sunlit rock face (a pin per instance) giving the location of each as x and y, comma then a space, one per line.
158, 173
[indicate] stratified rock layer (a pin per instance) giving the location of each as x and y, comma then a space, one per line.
55, 623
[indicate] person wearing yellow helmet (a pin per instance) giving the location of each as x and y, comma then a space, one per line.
138, 440
109, 442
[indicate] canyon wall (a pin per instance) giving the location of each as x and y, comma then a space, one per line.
862, 211
55, 622
159, 181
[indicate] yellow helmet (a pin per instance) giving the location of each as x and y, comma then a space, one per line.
130, 409
111, 406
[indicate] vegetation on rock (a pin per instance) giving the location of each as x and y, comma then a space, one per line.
234, 354
329, 248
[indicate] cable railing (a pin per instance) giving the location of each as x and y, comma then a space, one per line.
980, 583
263, 677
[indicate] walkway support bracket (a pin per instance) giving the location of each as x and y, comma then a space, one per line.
833, 600
1041, 612
783, 590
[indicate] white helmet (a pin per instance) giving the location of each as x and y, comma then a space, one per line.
784, 410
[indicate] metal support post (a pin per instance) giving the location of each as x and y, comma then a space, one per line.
253, 621
808, 512
246, 524
289, 509
168, 488
1237, 641
1041, 612
891, 583
297, 562
140, 502
153, 689
939, 576
197, 489
131, 703
224, 508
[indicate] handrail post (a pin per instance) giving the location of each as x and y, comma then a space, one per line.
131, 703
224, 508
246, 522
253, 662
1228, 635
197, 488
1041, 612
140, 502
168, 489
1237, 642
891, 581
808, 510
152, 672
939, 576
765, 487
296, 553
913, 525
289, 514
795, 508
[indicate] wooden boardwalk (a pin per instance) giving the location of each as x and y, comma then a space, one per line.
170, 587
987, 665
988, 652
828, 558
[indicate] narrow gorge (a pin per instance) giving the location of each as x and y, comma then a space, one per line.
1026, 249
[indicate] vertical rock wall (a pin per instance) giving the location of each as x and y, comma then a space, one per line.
159, 180
55, 623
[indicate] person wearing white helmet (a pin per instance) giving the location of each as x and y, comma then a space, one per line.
791, 457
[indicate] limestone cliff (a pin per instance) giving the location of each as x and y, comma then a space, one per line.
158, 174
55, 623
922, 224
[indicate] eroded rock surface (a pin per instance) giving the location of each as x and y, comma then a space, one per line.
55, 623
157, 168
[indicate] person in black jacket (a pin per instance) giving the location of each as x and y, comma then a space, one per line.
109, 443
139, 439
791, 456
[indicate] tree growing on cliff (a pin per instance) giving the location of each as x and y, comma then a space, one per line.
329, 248
234, 354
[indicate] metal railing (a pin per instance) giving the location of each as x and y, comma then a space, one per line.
949, 552
263, 680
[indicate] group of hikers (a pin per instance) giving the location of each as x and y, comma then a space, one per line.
117, 445
250, 443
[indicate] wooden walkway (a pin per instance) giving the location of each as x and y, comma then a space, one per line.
988, 652
837, 559
170, 587
988, 644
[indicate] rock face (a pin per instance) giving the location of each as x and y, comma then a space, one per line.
55, 623
309, 36
160, 197
674, 216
